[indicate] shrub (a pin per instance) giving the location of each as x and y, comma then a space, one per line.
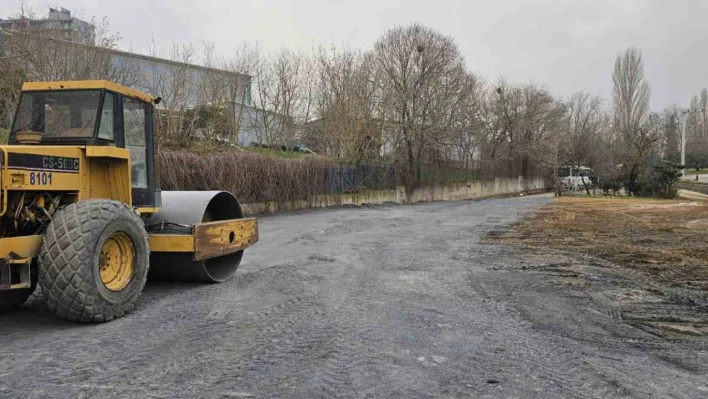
610, 185
251, 177
661, 180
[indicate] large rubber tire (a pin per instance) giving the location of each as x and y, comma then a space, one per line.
11, 299
69, 261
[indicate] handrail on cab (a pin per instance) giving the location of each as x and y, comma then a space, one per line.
4, 181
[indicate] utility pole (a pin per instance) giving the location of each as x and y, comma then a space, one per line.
683, 142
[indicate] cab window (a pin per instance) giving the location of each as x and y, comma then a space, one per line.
58, 114
106, 129
134, 128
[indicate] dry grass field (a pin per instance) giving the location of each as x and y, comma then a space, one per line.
656, 251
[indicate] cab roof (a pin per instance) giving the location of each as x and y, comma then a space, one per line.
87, 85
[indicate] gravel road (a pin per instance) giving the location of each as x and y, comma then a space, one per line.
381, 302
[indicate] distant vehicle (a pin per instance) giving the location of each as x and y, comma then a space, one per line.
572, 177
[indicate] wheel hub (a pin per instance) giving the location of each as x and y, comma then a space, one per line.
116, 261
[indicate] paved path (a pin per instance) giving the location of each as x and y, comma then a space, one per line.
692, 195
703, 178
384, 302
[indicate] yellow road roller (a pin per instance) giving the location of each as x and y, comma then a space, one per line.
82, 214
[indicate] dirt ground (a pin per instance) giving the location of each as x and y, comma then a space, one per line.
657, 249
385, 302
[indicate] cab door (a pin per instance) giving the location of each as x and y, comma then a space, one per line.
137, 137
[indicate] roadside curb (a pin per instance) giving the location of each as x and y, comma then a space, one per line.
519, 194
693, 195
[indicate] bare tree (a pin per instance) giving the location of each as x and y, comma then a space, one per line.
277, 80
463, 139
586, 120
176, 85
517, 118
245, 61
350, 120
630, 96
420, 70
336, 104
304, 112
34, 52
502, 115
215, 98
671, 140
701, 106
286, 99
552, 151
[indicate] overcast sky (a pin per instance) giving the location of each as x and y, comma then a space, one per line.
566, 45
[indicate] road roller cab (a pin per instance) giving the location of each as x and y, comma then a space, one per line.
81, 209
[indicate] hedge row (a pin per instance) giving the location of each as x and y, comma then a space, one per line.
255, 177
251, 177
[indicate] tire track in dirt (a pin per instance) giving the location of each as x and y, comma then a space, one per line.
563, 367
618, 333
250, 341
353, 325
631, 292
240, 340
566, 367
169, 328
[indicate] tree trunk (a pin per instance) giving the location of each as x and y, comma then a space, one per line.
411, 165
587, 189
525, 166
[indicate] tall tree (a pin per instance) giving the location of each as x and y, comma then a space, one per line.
421, 72
671, 118
585, 124
350, 118
630, 98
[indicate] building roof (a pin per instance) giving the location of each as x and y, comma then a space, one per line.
141, 56
176, 63
87, 84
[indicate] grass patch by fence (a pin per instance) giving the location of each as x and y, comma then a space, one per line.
277, 153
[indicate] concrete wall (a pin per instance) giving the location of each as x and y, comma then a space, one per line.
453, 192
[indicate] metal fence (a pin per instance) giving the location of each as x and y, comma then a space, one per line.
346, 177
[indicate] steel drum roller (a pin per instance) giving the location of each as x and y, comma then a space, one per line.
189, 208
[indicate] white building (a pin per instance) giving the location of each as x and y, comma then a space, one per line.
59, 23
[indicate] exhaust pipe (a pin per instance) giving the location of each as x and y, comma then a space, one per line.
189, 208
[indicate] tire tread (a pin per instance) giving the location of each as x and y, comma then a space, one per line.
66, 275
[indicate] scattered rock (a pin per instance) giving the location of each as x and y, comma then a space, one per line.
238, 395
321, 258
